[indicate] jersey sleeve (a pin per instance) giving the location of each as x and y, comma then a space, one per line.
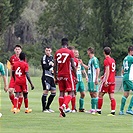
96, 63
72, 54
26, 68
82, 68
2, 70
106, 63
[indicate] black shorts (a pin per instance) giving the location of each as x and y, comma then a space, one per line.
48, 83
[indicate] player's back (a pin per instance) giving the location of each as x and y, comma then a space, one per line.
128, 68
112, 66
20, 68
63, 57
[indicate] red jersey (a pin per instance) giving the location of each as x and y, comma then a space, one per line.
20, 68
108, 61
63, 57
13, 59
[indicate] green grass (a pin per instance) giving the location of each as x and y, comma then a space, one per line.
38, 122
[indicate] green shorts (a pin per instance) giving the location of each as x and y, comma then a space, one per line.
92, 87
127, 85
80, 86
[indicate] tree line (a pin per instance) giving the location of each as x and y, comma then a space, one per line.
85, 23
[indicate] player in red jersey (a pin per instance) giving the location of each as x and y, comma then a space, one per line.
73, 100
64, 61
108, 82
13, 59
20, 73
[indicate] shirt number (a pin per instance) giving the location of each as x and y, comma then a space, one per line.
62, 55
125, 64
18, 72
113, 67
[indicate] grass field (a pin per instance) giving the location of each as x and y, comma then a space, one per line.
39, 122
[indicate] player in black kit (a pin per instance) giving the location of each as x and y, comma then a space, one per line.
47, 80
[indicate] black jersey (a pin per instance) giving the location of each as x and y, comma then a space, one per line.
47, 67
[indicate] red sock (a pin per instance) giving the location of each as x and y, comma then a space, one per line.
26, 102
61, 101
113, 104
73, 102
12, 98
67, 99
15, 102
20, 100
67, 106
100, 103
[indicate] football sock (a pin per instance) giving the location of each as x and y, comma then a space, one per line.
15, 102
26, 102
67, 99
20, 100
123, 101
44, 97
81, 103
12, 98
73, 102
61, 101
92, 103
100, 103
96, 102
50, 99
131, 104
113, 104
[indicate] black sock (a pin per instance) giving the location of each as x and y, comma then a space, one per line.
50, 99
113, 113
44, 96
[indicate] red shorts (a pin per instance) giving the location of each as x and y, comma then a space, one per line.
21, 88
65, 83
12, 83
109, 89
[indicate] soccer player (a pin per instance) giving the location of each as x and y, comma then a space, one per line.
93, 74
127, 81
108, 82
13, 59
63, 62
73, 100
80, 85
2, 72
48, 83
21, 75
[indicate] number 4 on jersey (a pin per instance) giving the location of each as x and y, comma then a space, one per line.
18, 72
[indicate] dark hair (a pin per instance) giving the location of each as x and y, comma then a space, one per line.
49, 47
107, 50
71, 47
91, 50
64, 41
17, 46
22, 56
130, 48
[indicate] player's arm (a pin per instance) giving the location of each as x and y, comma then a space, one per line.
73, 67
85, 66
97, 75
55, 70
106, 75
46, 65
86, 76
28, 78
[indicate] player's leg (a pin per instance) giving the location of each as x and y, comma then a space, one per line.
16, 102
20, 100
124, 97
129, 111
113, 103
26, 102
82, 95
52, 95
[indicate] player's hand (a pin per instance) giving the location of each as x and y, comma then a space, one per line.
81, 62
96, 82
32, 87
106, 84
6, 88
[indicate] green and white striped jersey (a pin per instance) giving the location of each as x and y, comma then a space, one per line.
128, 68
93, 64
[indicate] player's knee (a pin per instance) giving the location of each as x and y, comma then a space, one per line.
17, 94
82, 95
11, 90
25, 95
